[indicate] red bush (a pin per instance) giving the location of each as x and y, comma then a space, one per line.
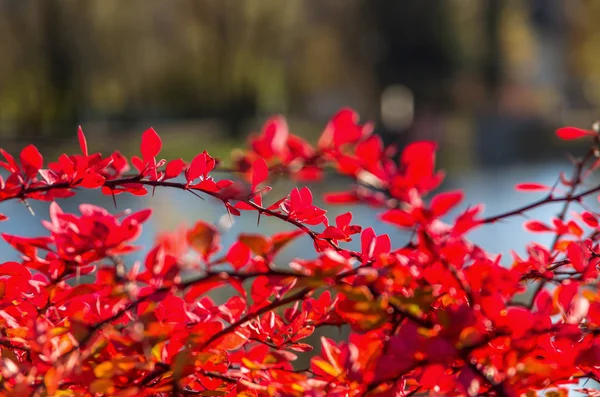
437, 315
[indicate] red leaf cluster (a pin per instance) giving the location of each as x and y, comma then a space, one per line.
435, 314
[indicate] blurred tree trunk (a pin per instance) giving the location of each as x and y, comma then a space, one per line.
416, 51
59, 52
492, 64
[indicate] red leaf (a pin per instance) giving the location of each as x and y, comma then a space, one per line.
370, 150
138, 163
200, 289
343, 220
197, 167
418, 160
579, 310
11, 164
174, 168
594, 313
119, 163
341, 198
419, 151
257, 243
282, 239
570, 133
576, 256
261, 289
32, 160
238, 255
14, 269
301, 347
273, 140
431, 375
565, 180
589, 219
398, 217
543, 302
3, 217
82, 141
516, 319
92, 181
233, 340
565, 293
204, 238
442, 203
276, 133
531, 187
537, 226
151, 144
574, 229
383, 245
138, 217
306, 195
332, 232
260, 172
342, 129
367, 242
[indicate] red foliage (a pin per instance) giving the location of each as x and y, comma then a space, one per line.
433, 315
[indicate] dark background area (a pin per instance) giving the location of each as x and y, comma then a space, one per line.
488, 79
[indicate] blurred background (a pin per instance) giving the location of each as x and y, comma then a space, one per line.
489, 80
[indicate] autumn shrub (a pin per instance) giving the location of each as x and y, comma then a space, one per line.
433, 315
